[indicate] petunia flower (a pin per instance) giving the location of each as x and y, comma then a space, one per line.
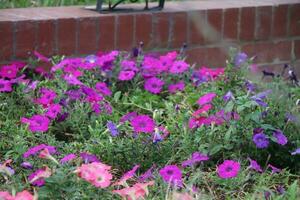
5, 85
37, 178
53, 111
228, 169
36, 149
112, 128
37, 123
127, 175
96, 173
172, 175
67, 158
154, 85
254, 165
197, 157
173, 88
274, 169
89, 158
297, 151
126, 75
103, 89
280, 137
207, 98
143, 123
261, 141
9, 71
179, 67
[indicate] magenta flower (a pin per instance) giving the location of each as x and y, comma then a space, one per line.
143, 123
127, 65
5, 86
72, 80
154, 85
36, 149
207, 98
126, 75
47, 97
172, 175
9, 71
228, 169
280, 137
37, 123
67, 158
173, 88
53, 111
196, 158
127, 175
103, 89
179, 67
254, 165
147, 175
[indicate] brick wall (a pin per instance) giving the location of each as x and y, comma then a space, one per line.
269, 29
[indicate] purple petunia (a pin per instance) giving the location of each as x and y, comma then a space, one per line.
254, 165
26, 165
280, 137
297, 151
178, 67
239, 59
228, 96
89, 158
112, 128
147, 175
261, 141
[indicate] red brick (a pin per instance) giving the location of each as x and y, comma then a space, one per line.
106, 32
263, 23
87, 40
161, 29
280, 21
209, 57
197, 22
125, 32
214, 21
66, 40
268, 52
297, 49
231, 18
179, 29
247, 24
294, 20
6, 41
143, 29
46, 37
25, 38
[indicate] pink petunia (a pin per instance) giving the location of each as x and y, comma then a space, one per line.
126, 75
53, 110
103, 89
173, 88
137, 191
95, 173
143, 123
47, 97
207, 98
5, 85
8, 71
179, 67
37, 178
172, 175
154, 85
228, 169
37, 123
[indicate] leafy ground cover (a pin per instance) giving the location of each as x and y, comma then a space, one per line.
146, 126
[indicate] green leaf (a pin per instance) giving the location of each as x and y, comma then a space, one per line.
117, 96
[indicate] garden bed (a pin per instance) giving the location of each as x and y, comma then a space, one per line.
146, 125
